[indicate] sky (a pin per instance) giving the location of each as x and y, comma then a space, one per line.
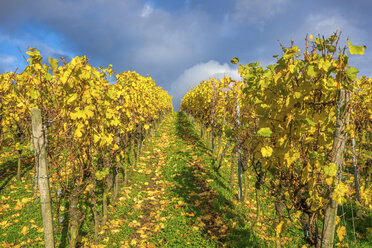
176, 42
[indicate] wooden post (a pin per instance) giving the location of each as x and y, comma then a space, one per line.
239, 152
212, 117
339, 141
355, 170
43, 177
106, 190
118, 163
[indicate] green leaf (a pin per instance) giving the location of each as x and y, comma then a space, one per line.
234, 60
330, 170
254, 64
257, 101
48, 76
351, 73
268, 73
309, 121
319, 41
34, 94
266, 132
100, 175
332, 49
228, 131
53, 63
311, 72
356, 49
326, 65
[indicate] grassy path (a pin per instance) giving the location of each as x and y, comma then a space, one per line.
175, 199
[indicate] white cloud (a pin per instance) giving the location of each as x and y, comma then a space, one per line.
8, 63
257, 11
202, 71
7, 59
146, 11
326, 24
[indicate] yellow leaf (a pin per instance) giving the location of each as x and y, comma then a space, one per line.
78, 133
338, 219
339, 192
329, 181
151, 245
282, 140
291, 156
266, 151
279, 228
330, 170
25, 200
24, 230
72, 98
341, 232
78, 114
96, 138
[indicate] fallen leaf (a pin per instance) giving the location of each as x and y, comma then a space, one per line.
24, 230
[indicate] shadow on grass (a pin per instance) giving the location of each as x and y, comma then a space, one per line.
64, 227
8, 170
362, 221
211, 202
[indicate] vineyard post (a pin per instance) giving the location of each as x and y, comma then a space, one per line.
212, 119
118, 164
1, 117
38, 135
329, 224
126, 159
239, 151
133, 153
19, 164
106, 190
355, 170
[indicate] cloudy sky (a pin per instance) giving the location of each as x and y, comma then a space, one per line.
177, 42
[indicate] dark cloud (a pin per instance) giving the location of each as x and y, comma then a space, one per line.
165, 38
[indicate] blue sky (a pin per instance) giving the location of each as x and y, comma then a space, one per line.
177, 42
